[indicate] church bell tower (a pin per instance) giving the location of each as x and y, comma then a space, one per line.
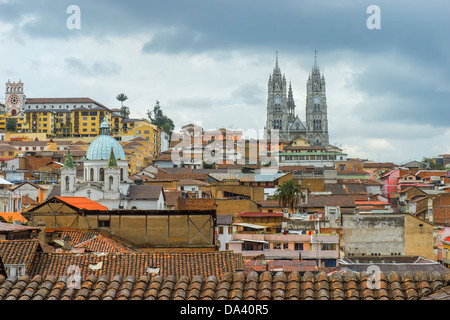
316, 108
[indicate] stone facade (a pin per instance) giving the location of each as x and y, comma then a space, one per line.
281, 114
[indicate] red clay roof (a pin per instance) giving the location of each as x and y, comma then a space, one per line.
260, 214
359, 202
83, 203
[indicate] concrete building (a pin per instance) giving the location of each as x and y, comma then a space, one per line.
383, 233
323, 248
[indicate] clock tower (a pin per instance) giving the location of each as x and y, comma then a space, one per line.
14, 97
277, 104
316, 108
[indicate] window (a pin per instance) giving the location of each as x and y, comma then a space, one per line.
146, 132
104, 224
276, 246
342, 167
285, 246
328, 246
220, 230
298, 246
15, 270
230, 230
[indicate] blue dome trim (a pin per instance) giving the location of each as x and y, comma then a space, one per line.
100, 148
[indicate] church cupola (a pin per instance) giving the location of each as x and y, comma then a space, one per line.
68, 176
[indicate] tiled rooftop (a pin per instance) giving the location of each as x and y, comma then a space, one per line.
137, 264
19, 251
95, 241
229, 286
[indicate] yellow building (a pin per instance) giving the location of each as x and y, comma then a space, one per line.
61, 117
147, 131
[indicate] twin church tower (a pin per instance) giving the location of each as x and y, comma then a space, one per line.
281, 108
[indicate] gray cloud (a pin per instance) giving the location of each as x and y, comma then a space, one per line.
97, 68
401, 71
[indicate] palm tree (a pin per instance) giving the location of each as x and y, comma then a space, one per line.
289, 194
121, 97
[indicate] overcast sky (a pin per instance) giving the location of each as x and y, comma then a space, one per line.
208, 61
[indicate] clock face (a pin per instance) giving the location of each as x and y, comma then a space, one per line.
277, 99
14, 100
317, 99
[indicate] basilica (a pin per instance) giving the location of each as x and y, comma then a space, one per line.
281, 113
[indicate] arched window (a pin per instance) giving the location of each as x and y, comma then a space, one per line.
121, 174
102, 174
67, 183
91, 175
111, 180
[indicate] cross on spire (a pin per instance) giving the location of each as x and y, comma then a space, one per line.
315, 59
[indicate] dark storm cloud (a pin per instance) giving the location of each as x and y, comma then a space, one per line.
405, 80
414, 27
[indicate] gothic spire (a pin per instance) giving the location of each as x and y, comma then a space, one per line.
112, 162
290, 95
276, 70
316, 66
290, 100
68, 162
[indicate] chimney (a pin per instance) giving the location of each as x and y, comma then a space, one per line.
17, 222
42, 234
67, 243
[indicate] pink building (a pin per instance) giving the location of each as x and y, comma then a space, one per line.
441, 235
390, 181
323, 248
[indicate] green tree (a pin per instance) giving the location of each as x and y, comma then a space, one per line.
429, 163
289, 194
11, 124
121, 97
125, 112
158, 118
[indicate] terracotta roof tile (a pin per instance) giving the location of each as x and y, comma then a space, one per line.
224, 285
